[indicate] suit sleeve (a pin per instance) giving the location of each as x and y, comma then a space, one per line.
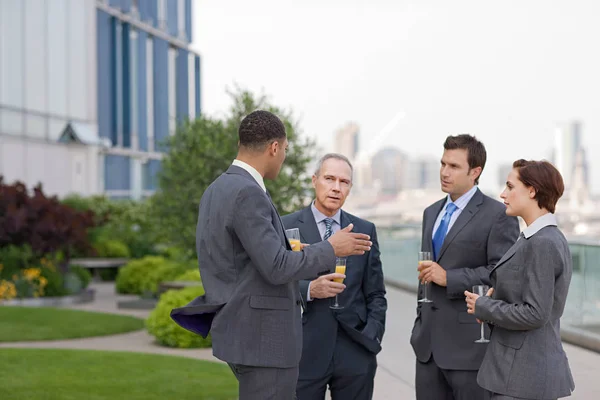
503, 234
255, 229
374, 292
534, 310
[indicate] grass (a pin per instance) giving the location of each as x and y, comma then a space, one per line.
42, 323
102, 375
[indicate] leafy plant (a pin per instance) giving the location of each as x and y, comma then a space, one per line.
189, 275
41, 222
203, 149
165, 330
144, 275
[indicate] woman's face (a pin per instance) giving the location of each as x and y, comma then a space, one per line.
517, 197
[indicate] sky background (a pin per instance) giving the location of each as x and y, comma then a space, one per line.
506, 71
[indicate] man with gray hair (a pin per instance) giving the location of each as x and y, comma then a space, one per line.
339, 345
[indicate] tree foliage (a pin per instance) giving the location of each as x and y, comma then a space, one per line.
203, 149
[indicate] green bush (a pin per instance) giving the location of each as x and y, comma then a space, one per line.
55, 286
165, 330
189, 275
13, 259
144, 275
83, 274
110, 248
127, 221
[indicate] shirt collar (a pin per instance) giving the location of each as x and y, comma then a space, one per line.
319, 216
463, 200
252, 171
542, 222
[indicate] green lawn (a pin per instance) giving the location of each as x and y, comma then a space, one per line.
101, 375
41, 323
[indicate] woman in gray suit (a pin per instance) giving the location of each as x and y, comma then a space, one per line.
525, 358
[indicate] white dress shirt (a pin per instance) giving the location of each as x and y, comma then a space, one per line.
252, 171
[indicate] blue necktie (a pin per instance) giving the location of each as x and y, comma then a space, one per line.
442, 230
328, 226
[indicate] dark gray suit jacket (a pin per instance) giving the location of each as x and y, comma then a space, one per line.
250, 275
481, 234
363, 316
525, 357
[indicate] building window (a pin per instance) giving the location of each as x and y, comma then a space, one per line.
172, 90
150, 92
192, 86
162, 14
119, 83
181, 19
133, 88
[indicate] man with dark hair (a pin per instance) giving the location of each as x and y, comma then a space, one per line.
340, 346
467, 233
250, 274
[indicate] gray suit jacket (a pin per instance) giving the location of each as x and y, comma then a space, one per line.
250, 275
363, 316
525, 357
480, 236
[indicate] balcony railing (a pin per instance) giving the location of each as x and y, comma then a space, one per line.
581, 319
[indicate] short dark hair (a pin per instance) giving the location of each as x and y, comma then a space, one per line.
260, 128
476, 154
544, 178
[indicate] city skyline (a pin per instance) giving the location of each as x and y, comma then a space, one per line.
507, 73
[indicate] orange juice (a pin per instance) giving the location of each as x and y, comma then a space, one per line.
295, 243
340, 269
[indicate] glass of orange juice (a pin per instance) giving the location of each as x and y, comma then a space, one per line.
340, 268
293, 236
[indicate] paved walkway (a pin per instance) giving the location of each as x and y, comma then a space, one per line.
395, 375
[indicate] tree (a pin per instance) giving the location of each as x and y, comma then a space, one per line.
203, 149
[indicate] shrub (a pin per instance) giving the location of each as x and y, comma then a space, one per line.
55, 282
165, 330
14, 258
127, 221
110, 248
189, 275
41, 222
143, 275
83, 274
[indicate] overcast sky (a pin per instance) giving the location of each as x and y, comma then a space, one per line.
506, 71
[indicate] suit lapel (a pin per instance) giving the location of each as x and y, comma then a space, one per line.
463, 219
309, 232
511, 252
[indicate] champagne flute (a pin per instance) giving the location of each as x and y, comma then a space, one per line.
293, 236
340, 268
425, 256
481, 290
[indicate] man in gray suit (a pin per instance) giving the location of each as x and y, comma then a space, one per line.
340, 346
467, 233
252, 303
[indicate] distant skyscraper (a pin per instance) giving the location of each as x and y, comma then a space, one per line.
422, 173
346, 140
388, 168
567, 149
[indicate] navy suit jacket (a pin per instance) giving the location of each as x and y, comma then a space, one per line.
363, 316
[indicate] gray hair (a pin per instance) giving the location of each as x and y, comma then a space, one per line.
335, 156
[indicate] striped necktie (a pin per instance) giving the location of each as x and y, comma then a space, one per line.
328, 226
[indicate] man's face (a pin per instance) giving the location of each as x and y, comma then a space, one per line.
455, 175
332, 185
277, 152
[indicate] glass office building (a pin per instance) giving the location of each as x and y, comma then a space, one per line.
89, 90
